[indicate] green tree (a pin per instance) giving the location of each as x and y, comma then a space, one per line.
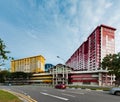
112, 63
3, 52
4, 75
20, 77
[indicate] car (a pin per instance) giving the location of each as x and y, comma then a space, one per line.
60, 86
115, 91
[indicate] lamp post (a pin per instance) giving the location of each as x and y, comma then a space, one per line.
61, 59
64, 72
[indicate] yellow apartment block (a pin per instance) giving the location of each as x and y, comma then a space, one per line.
33, 64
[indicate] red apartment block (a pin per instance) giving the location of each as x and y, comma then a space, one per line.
90, 54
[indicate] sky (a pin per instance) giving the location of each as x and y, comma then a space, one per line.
54, 28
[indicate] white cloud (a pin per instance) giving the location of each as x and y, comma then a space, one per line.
73, 8
108, 5
115, 18
60, 24
30, 34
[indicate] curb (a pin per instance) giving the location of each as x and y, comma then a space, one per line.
87, 89
21, 96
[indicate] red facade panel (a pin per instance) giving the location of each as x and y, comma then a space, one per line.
81, 76
84, 80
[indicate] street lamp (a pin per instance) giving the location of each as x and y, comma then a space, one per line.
61, 59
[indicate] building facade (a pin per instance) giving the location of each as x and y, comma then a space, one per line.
33, 64
66, 75
93, 78
90, 54
60, 74
41, 78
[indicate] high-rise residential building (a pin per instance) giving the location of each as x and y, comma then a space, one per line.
33, 64
90, 54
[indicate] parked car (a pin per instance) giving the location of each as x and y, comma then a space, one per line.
115, 91
60, 86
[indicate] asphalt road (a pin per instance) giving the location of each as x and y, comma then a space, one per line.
48, 94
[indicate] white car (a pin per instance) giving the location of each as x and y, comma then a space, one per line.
115, 91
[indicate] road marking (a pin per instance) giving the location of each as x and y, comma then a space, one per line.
100, 90
68, 95
44, 90
62, 98
76, 93
62, 90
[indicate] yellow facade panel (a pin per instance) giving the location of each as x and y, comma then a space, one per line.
47, 80
41, 78
33, 64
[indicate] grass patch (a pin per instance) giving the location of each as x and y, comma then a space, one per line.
8, 97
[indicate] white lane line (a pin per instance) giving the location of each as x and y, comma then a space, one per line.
76, 93
62, 98
99, 90
44, 90
62, 90
68, 95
